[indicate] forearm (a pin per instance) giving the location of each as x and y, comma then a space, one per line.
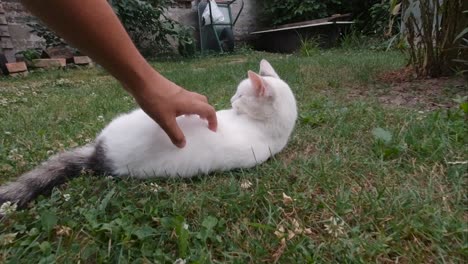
92, 27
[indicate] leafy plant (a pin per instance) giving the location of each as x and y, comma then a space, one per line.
29, 54
146, 24
278, 12
463, 39
186, 45
309, 46
431, 30
384, 144
51, 40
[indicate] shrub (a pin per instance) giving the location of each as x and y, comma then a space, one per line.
431, 29
276, 12
149, 29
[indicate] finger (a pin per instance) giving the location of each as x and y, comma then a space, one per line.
201, 97
207, 112
174, 132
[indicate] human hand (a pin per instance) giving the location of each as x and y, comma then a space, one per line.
163, 101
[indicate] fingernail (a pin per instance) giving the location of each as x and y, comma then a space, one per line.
181, 144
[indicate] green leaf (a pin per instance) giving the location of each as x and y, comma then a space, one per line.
105, 200
48, 220
144, 232
210, 222
382, 135
465, 31
182, 235
464, 107
45, 247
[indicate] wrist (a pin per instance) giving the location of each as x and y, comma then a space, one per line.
147, 83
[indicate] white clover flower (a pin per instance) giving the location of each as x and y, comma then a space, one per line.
246, 184
3, 101
15, 156
7, 239
66, 197
6, 167
154, 187
8, 208
185, 226
100, 118
335, 227
62, 230
180, 261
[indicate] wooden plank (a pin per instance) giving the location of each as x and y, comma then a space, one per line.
336, 17
303, 26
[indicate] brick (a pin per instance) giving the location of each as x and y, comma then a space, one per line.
2, 20
82, 60
4, 31
5, 43
57, 52
2, 10
49, 63
16, 67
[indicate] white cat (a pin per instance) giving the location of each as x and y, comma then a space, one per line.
258, 126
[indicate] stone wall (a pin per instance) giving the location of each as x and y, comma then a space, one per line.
20, 34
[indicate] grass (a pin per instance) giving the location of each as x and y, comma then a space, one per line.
358, 183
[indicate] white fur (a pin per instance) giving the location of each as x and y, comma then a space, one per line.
257, 127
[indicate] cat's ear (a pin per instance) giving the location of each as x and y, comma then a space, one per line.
267, 70
258, 84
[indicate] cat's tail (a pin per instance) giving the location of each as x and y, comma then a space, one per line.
55, 171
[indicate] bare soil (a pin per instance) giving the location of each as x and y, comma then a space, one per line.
401, 88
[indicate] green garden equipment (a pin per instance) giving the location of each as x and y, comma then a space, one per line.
216, 24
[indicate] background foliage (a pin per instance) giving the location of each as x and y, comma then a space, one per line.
370, 15
432, 35
149, 28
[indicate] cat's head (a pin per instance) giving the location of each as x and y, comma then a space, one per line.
264, 95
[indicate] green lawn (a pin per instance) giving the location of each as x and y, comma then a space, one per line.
358, 183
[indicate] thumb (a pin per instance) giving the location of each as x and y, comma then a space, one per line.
174, 132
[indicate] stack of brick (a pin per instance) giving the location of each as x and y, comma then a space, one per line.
6, 46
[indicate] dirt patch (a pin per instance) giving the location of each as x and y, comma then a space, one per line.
305, 150
401, 88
